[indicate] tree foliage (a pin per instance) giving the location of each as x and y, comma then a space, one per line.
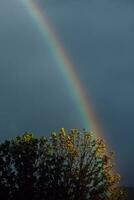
67, 166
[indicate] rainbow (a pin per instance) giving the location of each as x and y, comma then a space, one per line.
66, 67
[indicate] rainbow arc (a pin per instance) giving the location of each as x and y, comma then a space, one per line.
66, 67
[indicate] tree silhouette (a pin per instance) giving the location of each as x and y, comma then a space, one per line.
67, 166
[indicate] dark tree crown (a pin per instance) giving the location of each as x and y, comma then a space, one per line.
67, 166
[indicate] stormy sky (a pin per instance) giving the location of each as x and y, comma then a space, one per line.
98, 36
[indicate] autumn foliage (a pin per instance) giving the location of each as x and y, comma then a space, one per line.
67, 166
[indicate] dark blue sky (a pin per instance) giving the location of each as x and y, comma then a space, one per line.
99, 38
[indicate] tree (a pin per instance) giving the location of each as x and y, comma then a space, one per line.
69, 166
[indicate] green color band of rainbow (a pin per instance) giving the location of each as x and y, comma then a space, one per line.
66, 68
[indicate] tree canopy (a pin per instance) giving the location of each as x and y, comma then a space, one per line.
65, 166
